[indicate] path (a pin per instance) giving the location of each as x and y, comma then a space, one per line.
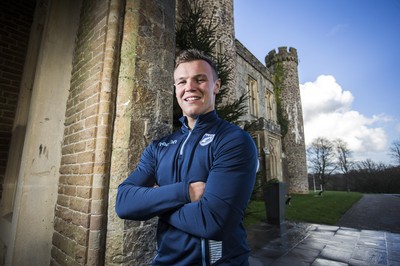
374, 212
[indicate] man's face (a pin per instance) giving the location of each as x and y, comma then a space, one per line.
195, 88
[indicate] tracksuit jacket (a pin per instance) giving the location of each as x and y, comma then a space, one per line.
209, 231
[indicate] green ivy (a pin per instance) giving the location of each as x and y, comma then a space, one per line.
278, 80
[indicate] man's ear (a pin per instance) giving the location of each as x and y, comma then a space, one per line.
217, 86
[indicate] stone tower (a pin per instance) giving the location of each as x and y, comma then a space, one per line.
220, 12
283, 65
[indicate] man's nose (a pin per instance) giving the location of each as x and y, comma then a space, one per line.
190, 85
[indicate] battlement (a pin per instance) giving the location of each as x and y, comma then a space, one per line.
283, 55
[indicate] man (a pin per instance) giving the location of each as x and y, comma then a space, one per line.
198, 180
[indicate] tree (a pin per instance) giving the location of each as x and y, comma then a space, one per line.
344, 159
193, 31
394, 151
369, 166
321, 158
370, 177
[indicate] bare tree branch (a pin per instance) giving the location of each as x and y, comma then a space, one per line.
321, 159
394, 151
344, 159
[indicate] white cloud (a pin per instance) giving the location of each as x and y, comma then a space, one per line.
325, 96
327, 113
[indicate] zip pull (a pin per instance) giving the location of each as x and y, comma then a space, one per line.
184, 143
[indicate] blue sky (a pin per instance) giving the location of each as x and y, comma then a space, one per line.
349, 53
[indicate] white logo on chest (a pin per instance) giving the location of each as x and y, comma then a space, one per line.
207, 139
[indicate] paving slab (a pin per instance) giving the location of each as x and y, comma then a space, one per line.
313, 244
362, 237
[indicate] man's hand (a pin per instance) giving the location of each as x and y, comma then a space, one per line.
196, 190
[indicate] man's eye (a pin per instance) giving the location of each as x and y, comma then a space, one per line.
200, 80
180, 83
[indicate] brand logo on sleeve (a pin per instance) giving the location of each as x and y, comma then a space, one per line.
207, 139
166, 144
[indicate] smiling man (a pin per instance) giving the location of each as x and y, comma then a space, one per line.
198, 180
196, 84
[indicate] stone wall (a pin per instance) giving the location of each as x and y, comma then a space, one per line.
264, 128
223, 17
220, 14
143, 112
248, 65
293, 141
15, 22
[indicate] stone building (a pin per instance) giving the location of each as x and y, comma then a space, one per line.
84, 86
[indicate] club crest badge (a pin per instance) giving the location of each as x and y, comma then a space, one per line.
207, 139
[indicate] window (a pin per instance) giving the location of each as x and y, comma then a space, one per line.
273, 157
253, 95
269, 105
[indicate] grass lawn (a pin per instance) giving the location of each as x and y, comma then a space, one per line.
325, 209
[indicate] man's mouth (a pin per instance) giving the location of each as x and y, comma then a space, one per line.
193, 98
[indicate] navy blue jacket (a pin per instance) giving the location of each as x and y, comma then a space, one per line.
211, 230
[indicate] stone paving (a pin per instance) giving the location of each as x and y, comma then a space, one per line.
292, 244
317, 245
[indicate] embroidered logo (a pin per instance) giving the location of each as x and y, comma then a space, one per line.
166, 144
207, 139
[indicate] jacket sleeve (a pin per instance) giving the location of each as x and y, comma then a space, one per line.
229, 187
138, 199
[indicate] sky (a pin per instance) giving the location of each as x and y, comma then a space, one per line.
349, 65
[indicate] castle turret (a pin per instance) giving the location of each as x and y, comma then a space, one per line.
283, 65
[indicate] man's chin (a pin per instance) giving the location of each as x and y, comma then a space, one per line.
192, 115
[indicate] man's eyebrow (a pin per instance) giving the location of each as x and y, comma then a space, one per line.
201, 75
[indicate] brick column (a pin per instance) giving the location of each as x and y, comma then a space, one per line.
80, 221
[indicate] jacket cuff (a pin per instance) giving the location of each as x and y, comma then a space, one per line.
186, 192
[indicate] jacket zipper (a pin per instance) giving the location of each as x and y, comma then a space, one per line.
203, 241
184, 143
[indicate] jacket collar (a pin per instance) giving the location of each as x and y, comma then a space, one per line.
202, 121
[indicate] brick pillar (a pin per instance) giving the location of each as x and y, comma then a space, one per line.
80, 221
